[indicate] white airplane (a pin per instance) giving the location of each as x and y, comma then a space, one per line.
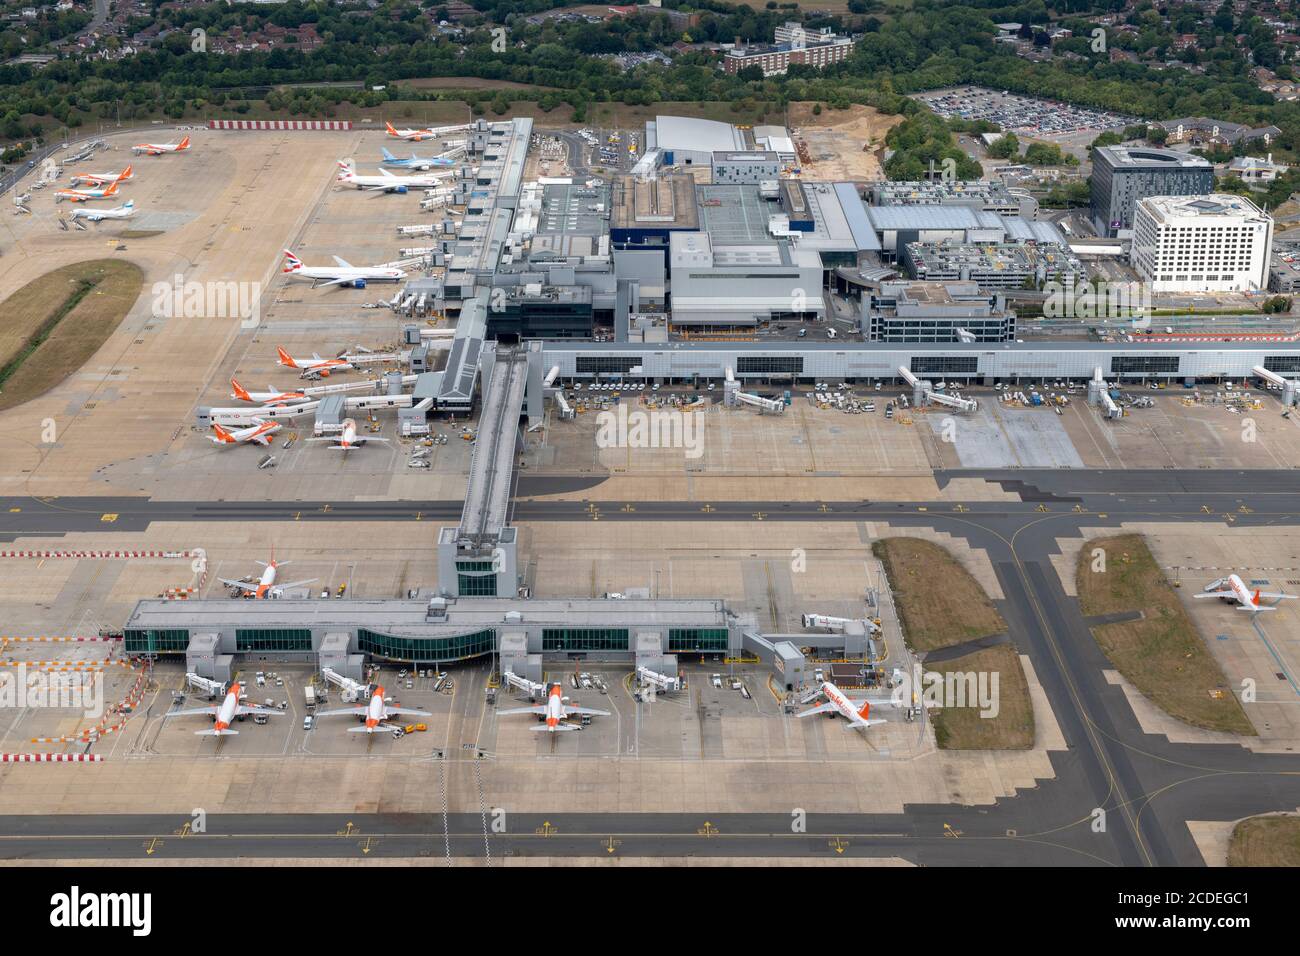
417, 135
421, 163
555, 710
375, 714
271, 397
266, 582
856, 712
315, 366
347, 439
224, 713
342, 273
125, 211
388, 183
85, 195
157, 149
259, 433
1233, 588
102, 179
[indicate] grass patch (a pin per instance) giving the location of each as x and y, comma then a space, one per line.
1265, 841
1162, 655
50, 327
939, 602
962, 728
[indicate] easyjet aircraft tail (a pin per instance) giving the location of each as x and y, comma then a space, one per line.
241, 393
125, 174
184, 144
285, 358
222, 434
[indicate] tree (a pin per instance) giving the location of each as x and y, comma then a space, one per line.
1005, 147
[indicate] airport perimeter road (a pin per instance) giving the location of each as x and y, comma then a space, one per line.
1119, 797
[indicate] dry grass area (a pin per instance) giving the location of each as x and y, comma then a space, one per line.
842, 144
963, 728
1265, 841
1162, 654
50, 327
938, 601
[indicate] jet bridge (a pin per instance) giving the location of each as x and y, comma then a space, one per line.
922, 394
478, 557
352, 691
1287, 385
732, 395
1099, 394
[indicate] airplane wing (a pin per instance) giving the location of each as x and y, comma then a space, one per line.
407, 711
387, 173
1214, 594
873, 701
243, 711
348, 711
243, 585
1254, 608
343, 262
295, 584
1277, 597
823, 709
521, 710
864, 724
192, 712
260, 440
569, 711
338, 281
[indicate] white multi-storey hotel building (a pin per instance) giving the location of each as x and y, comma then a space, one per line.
1215, 243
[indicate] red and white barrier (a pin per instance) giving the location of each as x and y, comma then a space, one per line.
58, 640
281, 124
51, 758
97, 554
104, 728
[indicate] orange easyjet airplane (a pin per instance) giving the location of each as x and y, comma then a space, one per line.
271, 397
266, 581
157, 149
555, 710
375, 714
315, 365
223, 714
258, 433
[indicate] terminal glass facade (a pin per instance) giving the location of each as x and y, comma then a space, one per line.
254, 639
1144, 364
584, 639
1284, 364
945, 364
698, 639
139, 641
476, 579
426, 648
